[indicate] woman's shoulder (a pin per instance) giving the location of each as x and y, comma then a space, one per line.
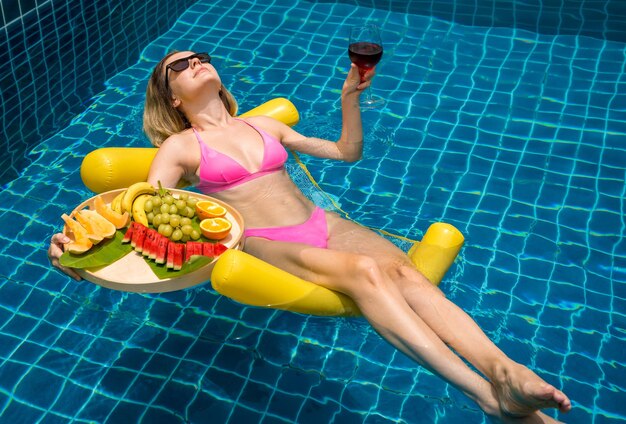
268, 124
175, 140
263, 121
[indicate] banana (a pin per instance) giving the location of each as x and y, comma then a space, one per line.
132, 192
116, 204
138, 211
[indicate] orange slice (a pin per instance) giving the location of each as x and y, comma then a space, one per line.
215, 228
207, 209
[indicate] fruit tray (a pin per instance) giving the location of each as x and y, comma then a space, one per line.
132, 273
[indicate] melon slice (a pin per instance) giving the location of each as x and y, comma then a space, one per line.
81, 242
120, 220
96, 225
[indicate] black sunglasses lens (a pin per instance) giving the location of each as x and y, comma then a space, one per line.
203, 57
179, 65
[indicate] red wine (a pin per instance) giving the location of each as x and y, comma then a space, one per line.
364, 54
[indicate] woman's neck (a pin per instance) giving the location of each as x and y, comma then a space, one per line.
212, 114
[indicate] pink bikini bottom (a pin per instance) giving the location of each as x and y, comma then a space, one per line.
313, 232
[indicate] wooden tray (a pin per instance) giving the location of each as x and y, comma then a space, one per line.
132, 274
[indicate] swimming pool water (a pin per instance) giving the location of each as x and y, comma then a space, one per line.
514, 137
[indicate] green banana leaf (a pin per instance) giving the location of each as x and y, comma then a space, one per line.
104, 253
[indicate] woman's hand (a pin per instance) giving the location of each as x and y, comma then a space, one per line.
56, 250
353, 84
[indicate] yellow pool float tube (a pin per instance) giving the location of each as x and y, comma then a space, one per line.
249, 280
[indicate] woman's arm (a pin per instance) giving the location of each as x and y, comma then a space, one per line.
171, 163
349, 147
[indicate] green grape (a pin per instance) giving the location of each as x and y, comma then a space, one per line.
168, 199
180, 204
156, 201
173, 209
186, 229
167, 230
161, 228
183, 196
150, 216
156, 221
174, 220
176, 234
191, 202
165, 218
189, 212
184, 238
195, 234
165, 208
148, 206
185, 221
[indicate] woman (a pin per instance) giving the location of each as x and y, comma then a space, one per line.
188, 115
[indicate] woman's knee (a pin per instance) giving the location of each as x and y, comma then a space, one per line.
368, 273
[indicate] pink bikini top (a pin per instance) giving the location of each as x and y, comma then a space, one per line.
220, 172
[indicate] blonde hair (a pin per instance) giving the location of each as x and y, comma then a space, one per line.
160, 118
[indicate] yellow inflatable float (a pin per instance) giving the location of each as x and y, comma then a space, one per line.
249, 280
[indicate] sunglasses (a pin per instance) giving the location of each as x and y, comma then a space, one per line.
180, 65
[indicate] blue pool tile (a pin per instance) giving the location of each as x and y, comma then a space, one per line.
175, 395
201, 350
285, 405
126, 412
234, 359
160, 415
145, 388
244, 415
256, 395
116, 381
313, 412
277, 348
30, 383
18, 411
71, 397
223, 383
581, 367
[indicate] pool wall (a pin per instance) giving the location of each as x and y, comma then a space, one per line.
602, 19
55, 55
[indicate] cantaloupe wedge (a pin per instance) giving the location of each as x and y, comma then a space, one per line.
81, 242
117, 219
79, 246
97, 226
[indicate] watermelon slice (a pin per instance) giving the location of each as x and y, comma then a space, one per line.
128, 235
207, 249
192, 248
171, 247
218, 249
154, 245
147, 243
179, 256
161, 249
139, 235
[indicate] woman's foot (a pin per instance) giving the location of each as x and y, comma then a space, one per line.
521, 392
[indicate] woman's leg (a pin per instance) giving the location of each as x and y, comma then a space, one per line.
519, 390
382, 305
385, 308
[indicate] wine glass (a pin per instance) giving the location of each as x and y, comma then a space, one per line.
365, 50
